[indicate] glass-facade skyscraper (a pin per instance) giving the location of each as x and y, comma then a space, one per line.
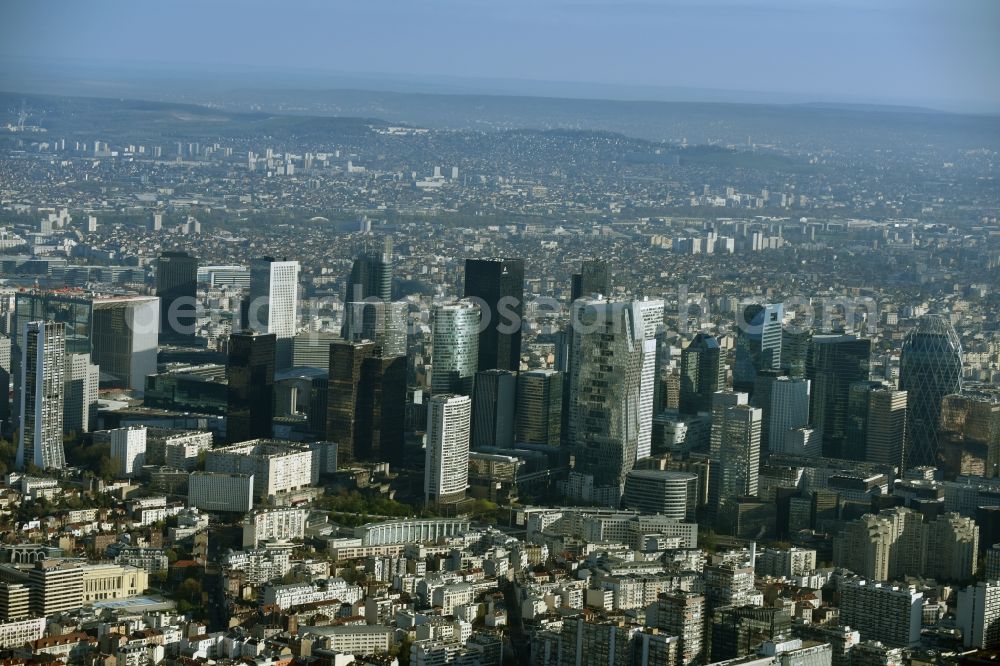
499, 284
455, 339
835, 362
703, 372
930, 367
758, 344
177, 287
250, 405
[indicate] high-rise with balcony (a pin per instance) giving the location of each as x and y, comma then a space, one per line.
43, 374
446, 464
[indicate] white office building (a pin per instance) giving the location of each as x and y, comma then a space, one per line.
274, 303
128, 450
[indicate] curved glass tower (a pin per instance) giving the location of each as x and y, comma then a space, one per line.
930, 368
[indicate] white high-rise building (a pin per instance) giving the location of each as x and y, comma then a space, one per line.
43, 373
650, 319
446, 467
274, 302
128, 449
455, 353
978, 615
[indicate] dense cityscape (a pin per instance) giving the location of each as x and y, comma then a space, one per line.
320, 378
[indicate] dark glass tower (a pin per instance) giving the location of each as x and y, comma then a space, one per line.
758, 344
593, 278
703, 372
384, 398
493, 409
834, 363
499, 284
930, 368
250, 371
366, 401
177, 287
371, 274
344, 424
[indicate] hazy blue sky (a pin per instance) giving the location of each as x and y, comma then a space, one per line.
940, 53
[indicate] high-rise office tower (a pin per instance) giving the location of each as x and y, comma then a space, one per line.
366, 401
446, 465
177, 288
650, 315
272, 304
384, 323
371, 274
80, 394
129, 354
703, 372
43, 373
735, 450
455, 340
250, 395
758, 344
124, 339
539, 407
795, 350
784, 405
876, 423
593, 279
369, 313
970, 431
835, 362
345, 424
384, 399
605, 392
493, 409
930, 367
499, 286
